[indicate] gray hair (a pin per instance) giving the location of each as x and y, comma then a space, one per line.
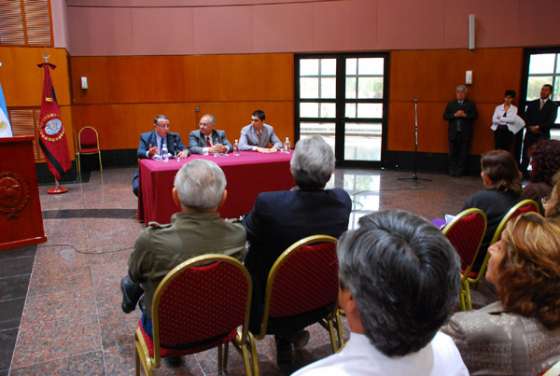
211, 118
312, 163
159, 117
405, 277
462, 88
200, 184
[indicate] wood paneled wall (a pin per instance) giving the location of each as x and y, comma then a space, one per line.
125, 92
22, 82
432, 75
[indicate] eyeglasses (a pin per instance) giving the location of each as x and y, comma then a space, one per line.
166, 126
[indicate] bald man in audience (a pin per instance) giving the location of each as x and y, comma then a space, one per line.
207, 140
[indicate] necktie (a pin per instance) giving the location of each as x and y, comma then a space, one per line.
541, 104
208, 142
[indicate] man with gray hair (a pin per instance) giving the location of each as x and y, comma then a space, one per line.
207, 139
279, 219
199, 189
460, 115
399, 283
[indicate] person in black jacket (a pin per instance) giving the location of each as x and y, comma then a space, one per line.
279, 219
151, 143
502, 189
540, 115
460, 115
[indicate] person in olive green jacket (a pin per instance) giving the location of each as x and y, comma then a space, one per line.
199, 189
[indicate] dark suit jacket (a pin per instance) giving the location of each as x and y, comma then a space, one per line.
148, 139
197, 141
463, 124
545, 117
279, 219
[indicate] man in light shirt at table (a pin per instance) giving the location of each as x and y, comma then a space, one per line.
207, 139
259, 136
399, 282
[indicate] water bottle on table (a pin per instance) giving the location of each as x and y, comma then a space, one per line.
286, 145
236, 148
164, 153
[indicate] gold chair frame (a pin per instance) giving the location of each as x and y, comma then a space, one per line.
465, 299
244, 341
79, 154
553, 371
332, 323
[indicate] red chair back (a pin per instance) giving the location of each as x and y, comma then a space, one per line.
525, 206
466, 233
201, 302
88, 138
304, 278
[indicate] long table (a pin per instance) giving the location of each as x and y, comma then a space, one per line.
247, 174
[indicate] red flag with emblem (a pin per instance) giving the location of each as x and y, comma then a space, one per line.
52, 138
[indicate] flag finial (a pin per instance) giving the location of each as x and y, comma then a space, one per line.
46, 58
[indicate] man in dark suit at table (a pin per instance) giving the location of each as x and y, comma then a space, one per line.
153, 142
259, 136
207, 139
540, 115
279, 219
460, 115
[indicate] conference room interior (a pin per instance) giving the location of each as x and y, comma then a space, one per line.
359, 73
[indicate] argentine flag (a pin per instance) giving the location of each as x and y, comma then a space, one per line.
5, 127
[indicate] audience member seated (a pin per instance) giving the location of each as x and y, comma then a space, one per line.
545, 162
207, 139
259, 136
502, 188
519, 334
279, 219
151, 144
199, 189
399, 283
551, 204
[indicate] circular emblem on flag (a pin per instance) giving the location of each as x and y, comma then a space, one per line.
52, 128
14, 194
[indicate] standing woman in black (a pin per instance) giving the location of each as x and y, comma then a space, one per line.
503, 123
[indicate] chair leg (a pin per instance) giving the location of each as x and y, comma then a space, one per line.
332, 334
339, 329
254, 355
78, 166
226, 356
468, 298
220, 360
137, 363
100, 163
247, 364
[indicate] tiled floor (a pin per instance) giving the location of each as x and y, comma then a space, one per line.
72, 323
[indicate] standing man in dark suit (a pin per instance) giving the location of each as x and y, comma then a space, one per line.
152, 143
207, 139
540, 115
460, 115
279, 219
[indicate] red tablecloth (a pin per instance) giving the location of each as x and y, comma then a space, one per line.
247, 175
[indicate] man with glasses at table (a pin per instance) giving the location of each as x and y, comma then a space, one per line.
259, 136
153, 142
207, 139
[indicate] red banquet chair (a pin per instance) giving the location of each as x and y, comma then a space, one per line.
200, 304
466, 233
303, 282
88, 144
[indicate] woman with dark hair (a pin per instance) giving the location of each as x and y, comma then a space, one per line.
506, 123
502, 187
545, 162
520, 333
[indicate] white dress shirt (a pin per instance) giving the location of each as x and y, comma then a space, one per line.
359, 357
511, 119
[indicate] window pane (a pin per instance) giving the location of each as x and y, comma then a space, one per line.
309, 110
350, 88
350, 110
309, 88
328, 110
351, 67
309, 67
328, 67
555, 133
325, 130
370, 110
370, 66
535, 84
362, 142
558, 119
541, 63
558, 63
556, 94
370, 87
328, 87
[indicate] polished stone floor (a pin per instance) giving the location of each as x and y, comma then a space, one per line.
71, 322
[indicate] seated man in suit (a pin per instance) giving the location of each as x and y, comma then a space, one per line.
279, 219
207, 139
199, 190
153, 142
399, 283
259, 136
